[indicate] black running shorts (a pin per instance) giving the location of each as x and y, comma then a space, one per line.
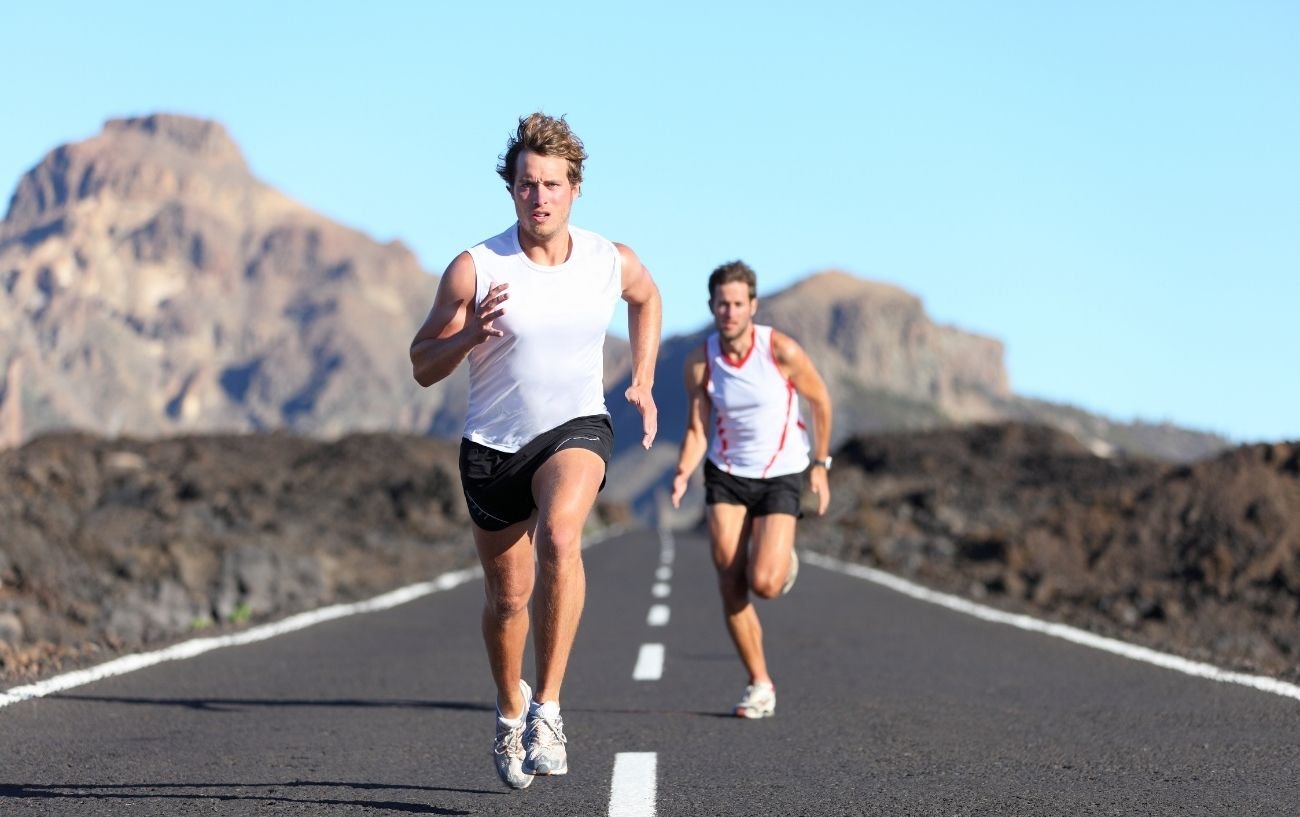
760, 496
499, 485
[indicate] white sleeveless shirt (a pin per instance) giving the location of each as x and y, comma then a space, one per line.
757, 430
548, 368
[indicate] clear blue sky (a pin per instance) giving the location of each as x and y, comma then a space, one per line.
1111, 188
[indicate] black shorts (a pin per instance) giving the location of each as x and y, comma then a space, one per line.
499, 485
761, 496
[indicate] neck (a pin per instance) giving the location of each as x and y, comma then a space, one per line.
549, 252
737, 347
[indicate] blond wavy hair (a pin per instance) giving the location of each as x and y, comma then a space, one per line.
545, 136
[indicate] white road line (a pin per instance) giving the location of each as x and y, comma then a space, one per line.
663, 573
658, 615
1062, 631
666, 546
632, 789
661, 590
649, 663
198, 646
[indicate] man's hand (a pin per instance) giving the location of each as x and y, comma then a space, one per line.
821, 487
480, 328
679, 488
644, 401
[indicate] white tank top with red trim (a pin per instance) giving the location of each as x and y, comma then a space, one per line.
757, 429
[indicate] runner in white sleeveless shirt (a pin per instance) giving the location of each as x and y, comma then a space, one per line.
744, 382
529, 308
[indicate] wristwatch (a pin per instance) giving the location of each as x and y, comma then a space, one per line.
826, 463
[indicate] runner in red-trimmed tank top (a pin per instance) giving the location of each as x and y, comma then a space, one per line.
743, 386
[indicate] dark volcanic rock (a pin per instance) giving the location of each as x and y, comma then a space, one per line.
112, 545
1202, 560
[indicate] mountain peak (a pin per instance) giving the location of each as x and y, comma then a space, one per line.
150, 157
199, 137
836, 285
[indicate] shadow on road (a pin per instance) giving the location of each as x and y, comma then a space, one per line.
236, 704
214, 793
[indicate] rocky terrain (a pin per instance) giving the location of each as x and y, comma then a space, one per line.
115, 545
1202, 560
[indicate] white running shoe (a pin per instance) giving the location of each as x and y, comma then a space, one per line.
508, 748
792, 573
544, 741
759, 702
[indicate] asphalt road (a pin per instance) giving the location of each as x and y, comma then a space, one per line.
887, 706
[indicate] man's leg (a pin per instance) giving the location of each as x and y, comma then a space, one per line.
729, 531
507, 559
769, 553
565, 489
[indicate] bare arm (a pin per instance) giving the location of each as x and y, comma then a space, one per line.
695, 441
644, 321
455, 323
798, 368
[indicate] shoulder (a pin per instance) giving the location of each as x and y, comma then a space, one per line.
785, 349
699, 354
627, 256
460, 273
697, 364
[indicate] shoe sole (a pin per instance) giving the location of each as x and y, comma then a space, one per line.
547, 773
754, 715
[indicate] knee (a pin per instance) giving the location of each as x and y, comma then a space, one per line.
559, 543
766, 584
506, 599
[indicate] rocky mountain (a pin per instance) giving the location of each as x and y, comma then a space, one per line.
151, 285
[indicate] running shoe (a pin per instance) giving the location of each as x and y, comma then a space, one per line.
544, 741
508, 749
792, 573
759, 701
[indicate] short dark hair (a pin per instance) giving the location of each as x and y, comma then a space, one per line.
731, 272
545, 136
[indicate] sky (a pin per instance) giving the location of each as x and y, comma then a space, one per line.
1112, 189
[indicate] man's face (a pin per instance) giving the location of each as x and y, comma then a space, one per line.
543, 195
733, 309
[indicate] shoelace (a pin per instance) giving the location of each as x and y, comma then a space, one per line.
510, 743
554, 731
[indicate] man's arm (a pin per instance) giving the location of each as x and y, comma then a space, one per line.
799, 370
455, 323
695, 441
644, 319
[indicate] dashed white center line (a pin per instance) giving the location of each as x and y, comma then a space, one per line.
661, 590
632, 790
649, 663
664, 573
658, 615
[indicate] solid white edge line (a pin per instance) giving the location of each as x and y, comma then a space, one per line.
1062, 631
658, 615
298, 621
632, 787
649, 663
